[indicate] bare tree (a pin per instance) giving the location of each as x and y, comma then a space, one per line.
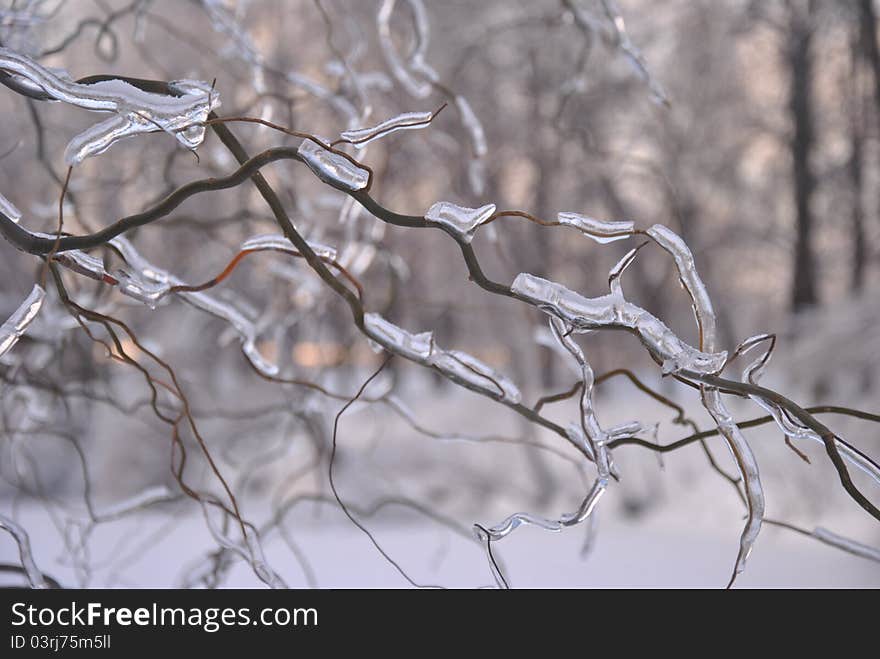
333, 223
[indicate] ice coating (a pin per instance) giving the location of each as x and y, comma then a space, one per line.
149, 283
602, 231
406, 121
473, 126
461, 220
84, 264
574, 309
851, 546
711, 398
513, 522
148, 497
34, 575
332, 168
251, 550
588, 434
477, 181
628, 429
420, 79
614, 311
470, 372
798, 432
617, 271
594, 434
613, 32
16, 325
458, 366
588, 505
279, 242
136, 111
748, 468
9, 209
412, 71
240, 44
687, 272
575, 433
357, 256
635, 57
417, 347
753, 372
225, 23
140, 289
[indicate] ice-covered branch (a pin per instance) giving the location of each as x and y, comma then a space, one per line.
136, 111
16, 325
35, 577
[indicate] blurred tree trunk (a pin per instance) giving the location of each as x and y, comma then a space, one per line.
856, 161
800, 64
543, 261
864, 47
868, 28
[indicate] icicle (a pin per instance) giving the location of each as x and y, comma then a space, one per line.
332, 168
462, 221
592, 531
755, 370
137, 111
406, 121
13, 328
602, 231
617, 271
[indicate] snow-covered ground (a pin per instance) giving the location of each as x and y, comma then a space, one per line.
670, 525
